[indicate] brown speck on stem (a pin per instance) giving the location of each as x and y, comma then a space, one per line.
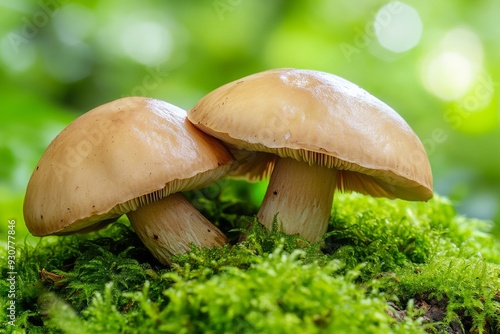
155, 237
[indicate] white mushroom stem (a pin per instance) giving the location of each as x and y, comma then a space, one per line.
302, 196
171, 225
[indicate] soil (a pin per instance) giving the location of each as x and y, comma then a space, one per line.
433, 310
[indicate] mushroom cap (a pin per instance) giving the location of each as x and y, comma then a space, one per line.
115, 158
318, 118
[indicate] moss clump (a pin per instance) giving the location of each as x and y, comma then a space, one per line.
467, 288
389, 234
385, 267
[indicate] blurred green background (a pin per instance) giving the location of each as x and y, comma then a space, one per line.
435, 62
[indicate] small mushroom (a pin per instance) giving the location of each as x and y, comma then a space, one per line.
131, 156
315, 132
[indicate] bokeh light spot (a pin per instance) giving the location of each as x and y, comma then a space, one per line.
398, 27
146, 42
448, 75
73, 23
450, 70
17, 53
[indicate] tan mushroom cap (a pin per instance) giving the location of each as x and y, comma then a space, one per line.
115, 158
321, 119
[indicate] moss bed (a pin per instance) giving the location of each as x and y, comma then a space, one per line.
385, 266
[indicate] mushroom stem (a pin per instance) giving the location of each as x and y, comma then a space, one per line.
302, 196
169, 226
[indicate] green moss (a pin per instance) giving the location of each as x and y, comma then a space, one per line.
469, 288
388, 234
382, 268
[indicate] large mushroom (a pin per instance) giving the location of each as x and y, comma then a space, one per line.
131, 156
316, 132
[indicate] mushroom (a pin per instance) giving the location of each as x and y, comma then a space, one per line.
315, 132
130, 156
